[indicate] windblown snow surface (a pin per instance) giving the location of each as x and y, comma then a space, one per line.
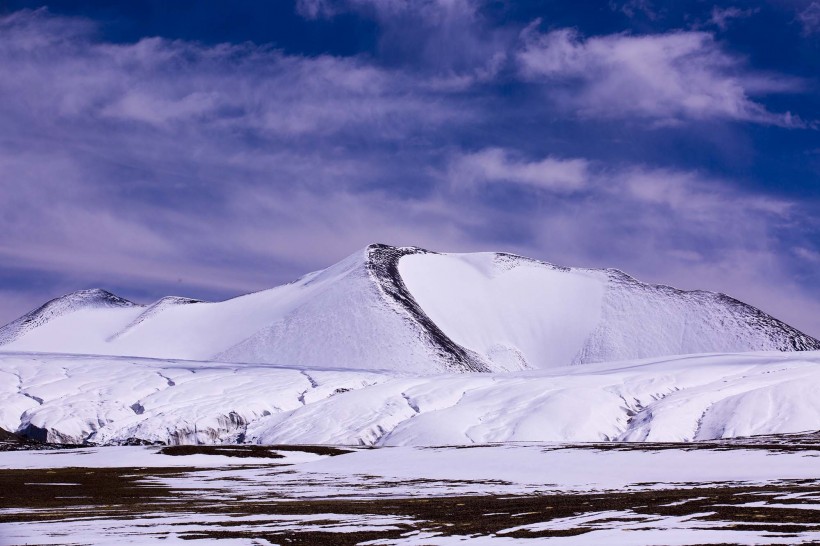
408, 309
111, 400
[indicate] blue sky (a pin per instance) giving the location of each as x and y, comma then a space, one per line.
209, 149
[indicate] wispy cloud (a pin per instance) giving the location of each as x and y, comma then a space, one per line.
633, 8
809, 255
433, 11
810, 18
450, 38
496, 165
666, 78
721, 17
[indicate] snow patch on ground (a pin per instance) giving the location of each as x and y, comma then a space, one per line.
246, 495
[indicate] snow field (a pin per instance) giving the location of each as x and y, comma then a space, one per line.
109, 400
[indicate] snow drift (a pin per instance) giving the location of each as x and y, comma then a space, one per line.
388, 308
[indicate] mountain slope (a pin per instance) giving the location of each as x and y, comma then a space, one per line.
416, 311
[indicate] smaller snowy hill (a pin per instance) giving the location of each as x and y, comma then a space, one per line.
95, 298
409, 309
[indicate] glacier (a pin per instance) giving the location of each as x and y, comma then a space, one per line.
121, 400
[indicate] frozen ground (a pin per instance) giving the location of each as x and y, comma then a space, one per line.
635, 494
111, 400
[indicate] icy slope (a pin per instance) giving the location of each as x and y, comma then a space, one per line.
71, 398
417, 311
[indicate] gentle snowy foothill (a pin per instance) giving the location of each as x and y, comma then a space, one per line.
111, 400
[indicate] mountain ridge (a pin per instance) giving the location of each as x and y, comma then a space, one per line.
419, 310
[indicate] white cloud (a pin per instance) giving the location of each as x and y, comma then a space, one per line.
450, 38
496, 165
694, 196
663, 77
140, 106
224, 87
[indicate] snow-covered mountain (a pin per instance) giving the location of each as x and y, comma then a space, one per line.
413, 310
